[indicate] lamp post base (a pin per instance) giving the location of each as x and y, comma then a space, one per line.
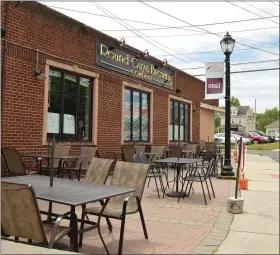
227, 170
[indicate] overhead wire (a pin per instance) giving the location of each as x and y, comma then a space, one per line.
233, 64
161, 26
214, 51
102, 8
236, 31
203, 28
259, 10
249, 11
245, 71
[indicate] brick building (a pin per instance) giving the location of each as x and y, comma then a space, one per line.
61, 76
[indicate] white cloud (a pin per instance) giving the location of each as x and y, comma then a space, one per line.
264, 86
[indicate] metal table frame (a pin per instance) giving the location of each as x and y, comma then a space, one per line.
178, 162
82, 194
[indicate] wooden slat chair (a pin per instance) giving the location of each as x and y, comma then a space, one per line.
82, 164
128, 152
128, 175
14, 162
193, 148
21, 218
159, 150
175, 151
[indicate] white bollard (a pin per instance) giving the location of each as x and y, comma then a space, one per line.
235, 205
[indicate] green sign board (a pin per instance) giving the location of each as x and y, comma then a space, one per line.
119, 61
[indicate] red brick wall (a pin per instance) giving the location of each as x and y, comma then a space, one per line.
35, 26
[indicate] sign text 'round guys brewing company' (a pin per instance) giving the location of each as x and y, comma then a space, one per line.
145, 71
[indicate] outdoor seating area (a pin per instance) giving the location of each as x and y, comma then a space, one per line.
30, 195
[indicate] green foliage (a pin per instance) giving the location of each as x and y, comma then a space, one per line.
263, 147
217, 120
234, 101
269, 116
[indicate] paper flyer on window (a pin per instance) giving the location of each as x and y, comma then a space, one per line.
214, 80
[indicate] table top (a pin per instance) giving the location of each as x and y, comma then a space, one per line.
10, 247
151, 153
68, 192
175, 160
55, 156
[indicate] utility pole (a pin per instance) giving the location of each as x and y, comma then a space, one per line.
255, 114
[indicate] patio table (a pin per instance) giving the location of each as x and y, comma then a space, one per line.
178, 162
39, 158
72, 193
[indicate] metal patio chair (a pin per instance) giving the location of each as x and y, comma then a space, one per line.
21, 218
14, 163
154, 171
199, 174
128, 175
97, 173
82, 164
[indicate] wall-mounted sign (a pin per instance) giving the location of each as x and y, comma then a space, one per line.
214, 80
53, 123
122, 62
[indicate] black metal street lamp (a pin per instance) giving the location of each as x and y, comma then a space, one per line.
227, 45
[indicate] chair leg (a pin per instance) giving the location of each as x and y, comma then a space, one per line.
208, 189
191, 187
109, 224
148, 182
142, 217
212, 187
156, 185
82, 225
203, 190
162, 186
122, 227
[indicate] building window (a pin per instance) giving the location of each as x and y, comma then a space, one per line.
232, 120
136, 115
179, 122
70, 106
240, 121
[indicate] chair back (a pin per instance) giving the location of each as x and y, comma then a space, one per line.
139, 148
20, 215
88, 152
61, 150
210, 146
4, 171
193, 149
128, 152
13, 161
202, 145
129, 175
159, 150
137, 158
144, 158
210, 168
176, 151
98, 170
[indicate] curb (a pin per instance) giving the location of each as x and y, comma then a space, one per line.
219, 232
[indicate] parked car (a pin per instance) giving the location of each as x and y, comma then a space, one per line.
277, 139
221, 136
270, 139
257, 138
254, 137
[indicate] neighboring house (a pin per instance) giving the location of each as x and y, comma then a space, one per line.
273, 129
242, 118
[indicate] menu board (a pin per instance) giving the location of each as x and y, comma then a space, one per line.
69, 124
53, 122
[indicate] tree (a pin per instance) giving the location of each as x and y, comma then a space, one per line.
269, 116
234, 101
217, 122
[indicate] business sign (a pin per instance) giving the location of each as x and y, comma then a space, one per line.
214, 80
119, 61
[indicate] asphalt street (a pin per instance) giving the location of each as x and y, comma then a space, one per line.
272, 154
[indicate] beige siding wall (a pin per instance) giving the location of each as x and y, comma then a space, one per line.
207, 124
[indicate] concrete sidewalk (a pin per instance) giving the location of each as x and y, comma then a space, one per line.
256, 230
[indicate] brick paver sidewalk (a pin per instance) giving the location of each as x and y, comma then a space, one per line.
174, 228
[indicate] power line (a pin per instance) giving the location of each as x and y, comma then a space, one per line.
106, 11
214, 51
236, 31
204, 29
249, 11
260, 10
154, 24
274, 3
247, 71
240, 63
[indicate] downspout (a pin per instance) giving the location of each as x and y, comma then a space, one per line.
3, 59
